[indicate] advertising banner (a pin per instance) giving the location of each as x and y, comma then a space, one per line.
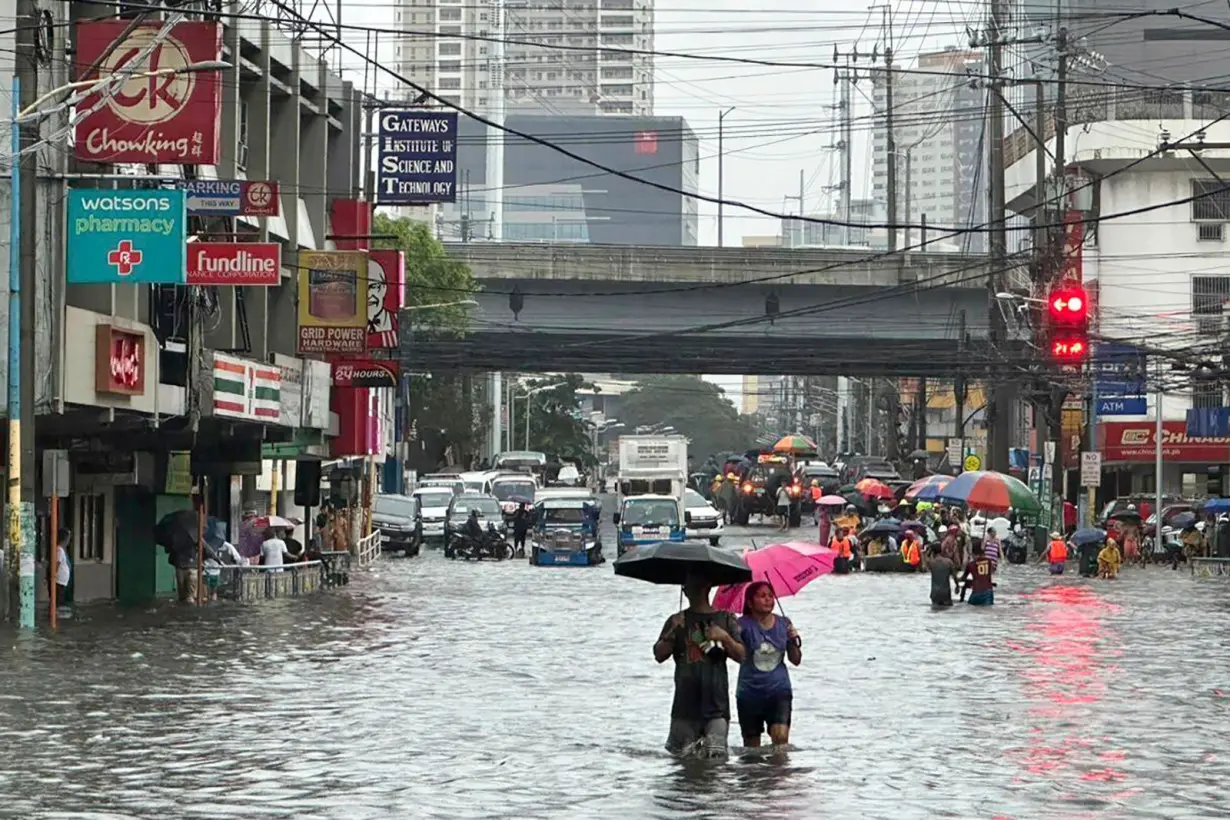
245, 389
234, 263
386, 280
417, 162
159, 113
231, 197
332, 301
1135, 441
126, 236
366, 373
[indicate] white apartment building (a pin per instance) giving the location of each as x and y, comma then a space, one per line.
551, 58
940, 148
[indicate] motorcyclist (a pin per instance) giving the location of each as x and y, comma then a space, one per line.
472, 528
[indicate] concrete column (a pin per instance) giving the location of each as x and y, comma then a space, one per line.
313, 156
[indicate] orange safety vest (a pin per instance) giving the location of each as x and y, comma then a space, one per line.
1058, 552
815, 493
909, 553
842, 547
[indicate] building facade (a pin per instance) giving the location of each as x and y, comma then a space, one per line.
940, 146
550, 197
148, 390
552, 62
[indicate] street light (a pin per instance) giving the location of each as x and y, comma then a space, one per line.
526, 395
721, 199
470, 302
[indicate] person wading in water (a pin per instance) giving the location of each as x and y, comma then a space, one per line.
764, 696
700, 640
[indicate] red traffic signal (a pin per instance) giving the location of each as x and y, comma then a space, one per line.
1070, 349
1068, 306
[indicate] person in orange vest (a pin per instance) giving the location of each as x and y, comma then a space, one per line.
1055, 554
910, 553
815, 501
843, 545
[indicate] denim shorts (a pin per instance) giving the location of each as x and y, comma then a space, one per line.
758, 712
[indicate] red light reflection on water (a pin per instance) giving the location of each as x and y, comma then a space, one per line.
1063, 671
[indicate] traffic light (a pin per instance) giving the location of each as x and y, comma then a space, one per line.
1067, 309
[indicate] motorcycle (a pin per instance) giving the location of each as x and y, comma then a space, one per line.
490, 546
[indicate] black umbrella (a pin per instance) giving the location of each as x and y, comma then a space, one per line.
1183, 520
1088, 535
885, 526
860, 502
918, 455
917, 526
1126, 515
673, 562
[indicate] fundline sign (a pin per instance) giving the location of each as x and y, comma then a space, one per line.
417, 162
234, 263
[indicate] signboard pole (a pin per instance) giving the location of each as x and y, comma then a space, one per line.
1158, 458
1092, 494
20, 515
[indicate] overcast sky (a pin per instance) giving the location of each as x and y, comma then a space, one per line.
783, 123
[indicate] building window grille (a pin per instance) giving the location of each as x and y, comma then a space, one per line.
1212, 201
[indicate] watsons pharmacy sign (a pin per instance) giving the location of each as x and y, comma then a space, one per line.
126, 236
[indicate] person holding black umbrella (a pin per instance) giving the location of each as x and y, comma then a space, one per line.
700, 640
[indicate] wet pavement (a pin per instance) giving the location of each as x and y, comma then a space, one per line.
437, 689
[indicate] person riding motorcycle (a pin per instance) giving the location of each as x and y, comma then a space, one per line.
472, 528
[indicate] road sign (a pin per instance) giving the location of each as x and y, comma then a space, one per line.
956, 447
1125, 406
972, 462
126, 236
231, 197
1091, 469
1119, 370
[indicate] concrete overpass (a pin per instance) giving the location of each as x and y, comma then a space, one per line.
691, 310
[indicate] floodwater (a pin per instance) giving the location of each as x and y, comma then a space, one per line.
434, 689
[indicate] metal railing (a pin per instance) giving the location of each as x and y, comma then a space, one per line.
1209, 567
252, 583
367, 550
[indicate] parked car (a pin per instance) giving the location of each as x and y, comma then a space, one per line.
488, 512
703, 519
433, 504
396, 518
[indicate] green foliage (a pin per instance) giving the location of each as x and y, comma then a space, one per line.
696, 408
556, 425
432, 276
450, 427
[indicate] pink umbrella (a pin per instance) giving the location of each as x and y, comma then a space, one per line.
787, 567
833, 501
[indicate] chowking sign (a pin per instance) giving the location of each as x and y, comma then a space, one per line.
332, 301
234, 263
159, 113
366, 373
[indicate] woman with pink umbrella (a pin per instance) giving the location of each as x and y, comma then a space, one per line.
764, 696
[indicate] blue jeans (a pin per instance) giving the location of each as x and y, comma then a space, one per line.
984, 598
1057, 568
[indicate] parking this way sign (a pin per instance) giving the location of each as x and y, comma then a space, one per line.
126, 236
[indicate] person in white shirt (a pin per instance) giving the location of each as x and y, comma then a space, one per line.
273, 549
64, 570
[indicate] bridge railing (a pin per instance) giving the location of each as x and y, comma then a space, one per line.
367, 550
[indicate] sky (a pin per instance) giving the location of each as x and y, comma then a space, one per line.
782, 129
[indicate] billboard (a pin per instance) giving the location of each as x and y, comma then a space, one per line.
170, 117
417, 162
1136, 441
332, 301
126, 236
386, 277
234, 263
231, 197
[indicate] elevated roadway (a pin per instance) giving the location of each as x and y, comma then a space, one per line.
713, 310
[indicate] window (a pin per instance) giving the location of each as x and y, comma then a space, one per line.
1210, 295
449, 66
1211, 232
450, 49
87, 517
450, 83
1213, 204
450, 31
451, 15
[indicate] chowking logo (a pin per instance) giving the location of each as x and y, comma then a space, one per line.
1132, 437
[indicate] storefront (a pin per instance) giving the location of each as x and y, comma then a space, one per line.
1191, 465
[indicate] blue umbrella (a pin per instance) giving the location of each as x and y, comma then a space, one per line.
1088, 535
1216, 505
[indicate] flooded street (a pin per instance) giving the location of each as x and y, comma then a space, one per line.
431, 688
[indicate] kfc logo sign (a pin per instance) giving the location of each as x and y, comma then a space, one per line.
150, 105
119, 365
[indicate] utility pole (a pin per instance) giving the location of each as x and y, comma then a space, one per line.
721, 177
845, 78
890, 139
801, 224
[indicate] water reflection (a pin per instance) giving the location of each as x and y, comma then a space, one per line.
435, 689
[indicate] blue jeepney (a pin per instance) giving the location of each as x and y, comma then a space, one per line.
649, 519
566, 533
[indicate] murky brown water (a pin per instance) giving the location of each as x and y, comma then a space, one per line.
434, 689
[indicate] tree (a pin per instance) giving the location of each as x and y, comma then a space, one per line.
449, 427
556, 425
696, 408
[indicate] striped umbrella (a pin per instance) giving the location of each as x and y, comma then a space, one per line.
874, 488
990, 492
927, 489
795, 444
